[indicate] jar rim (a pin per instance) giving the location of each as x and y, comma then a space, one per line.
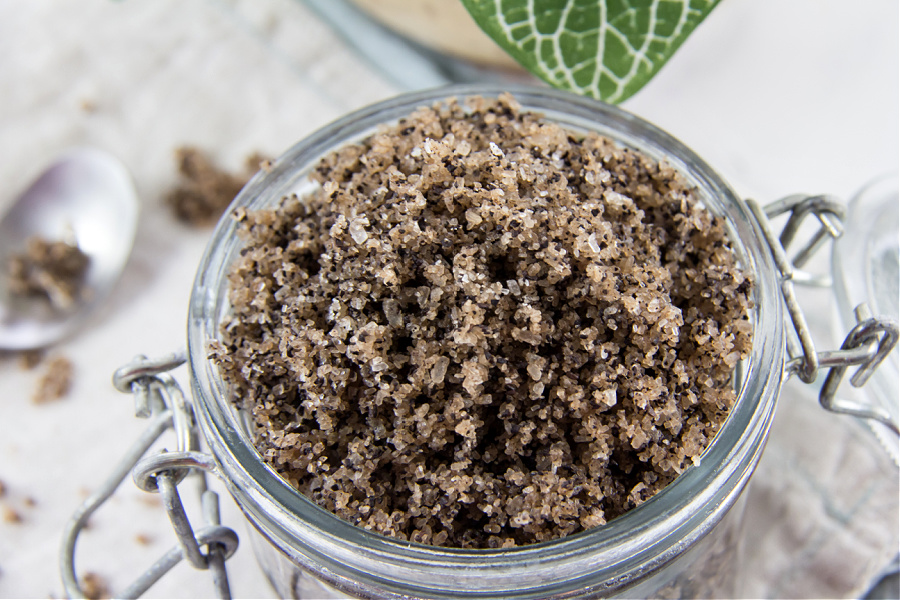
646, 535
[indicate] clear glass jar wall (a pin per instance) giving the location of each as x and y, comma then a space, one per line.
681, 543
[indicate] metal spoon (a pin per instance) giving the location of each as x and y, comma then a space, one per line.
85, 198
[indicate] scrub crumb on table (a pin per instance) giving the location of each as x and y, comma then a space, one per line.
206, 190
55, 381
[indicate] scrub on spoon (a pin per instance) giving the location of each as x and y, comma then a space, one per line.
85, 198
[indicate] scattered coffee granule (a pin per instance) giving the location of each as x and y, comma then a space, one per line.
2, 489
94, 586
87, 105
484, 330
49, 269
143, 539
206, 190
11, 515
56, 381
29, 359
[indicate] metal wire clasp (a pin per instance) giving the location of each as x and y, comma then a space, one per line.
866, 346
158, 397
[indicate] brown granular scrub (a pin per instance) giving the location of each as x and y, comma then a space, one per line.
29, 359
49, 269
94, 586
11, 515
143, 539
206, 190
484, 330
56, 381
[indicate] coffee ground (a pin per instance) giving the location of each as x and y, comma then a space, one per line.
205, 190
49, 269
484, 330
56, 381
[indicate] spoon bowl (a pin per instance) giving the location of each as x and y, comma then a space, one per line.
86, 197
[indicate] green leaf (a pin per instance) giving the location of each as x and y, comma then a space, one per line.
607, 49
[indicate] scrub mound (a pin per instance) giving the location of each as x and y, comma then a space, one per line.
48, 269
484, 330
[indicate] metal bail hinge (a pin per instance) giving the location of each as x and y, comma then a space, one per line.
865, 346
159, 398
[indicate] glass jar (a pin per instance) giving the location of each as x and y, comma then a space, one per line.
866, 268
681, 543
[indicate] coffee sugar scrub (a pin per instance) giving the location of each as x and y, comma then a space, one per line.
483, 330
49, 270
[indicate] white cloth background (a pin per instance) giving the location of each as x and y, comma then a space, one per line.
780, 97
